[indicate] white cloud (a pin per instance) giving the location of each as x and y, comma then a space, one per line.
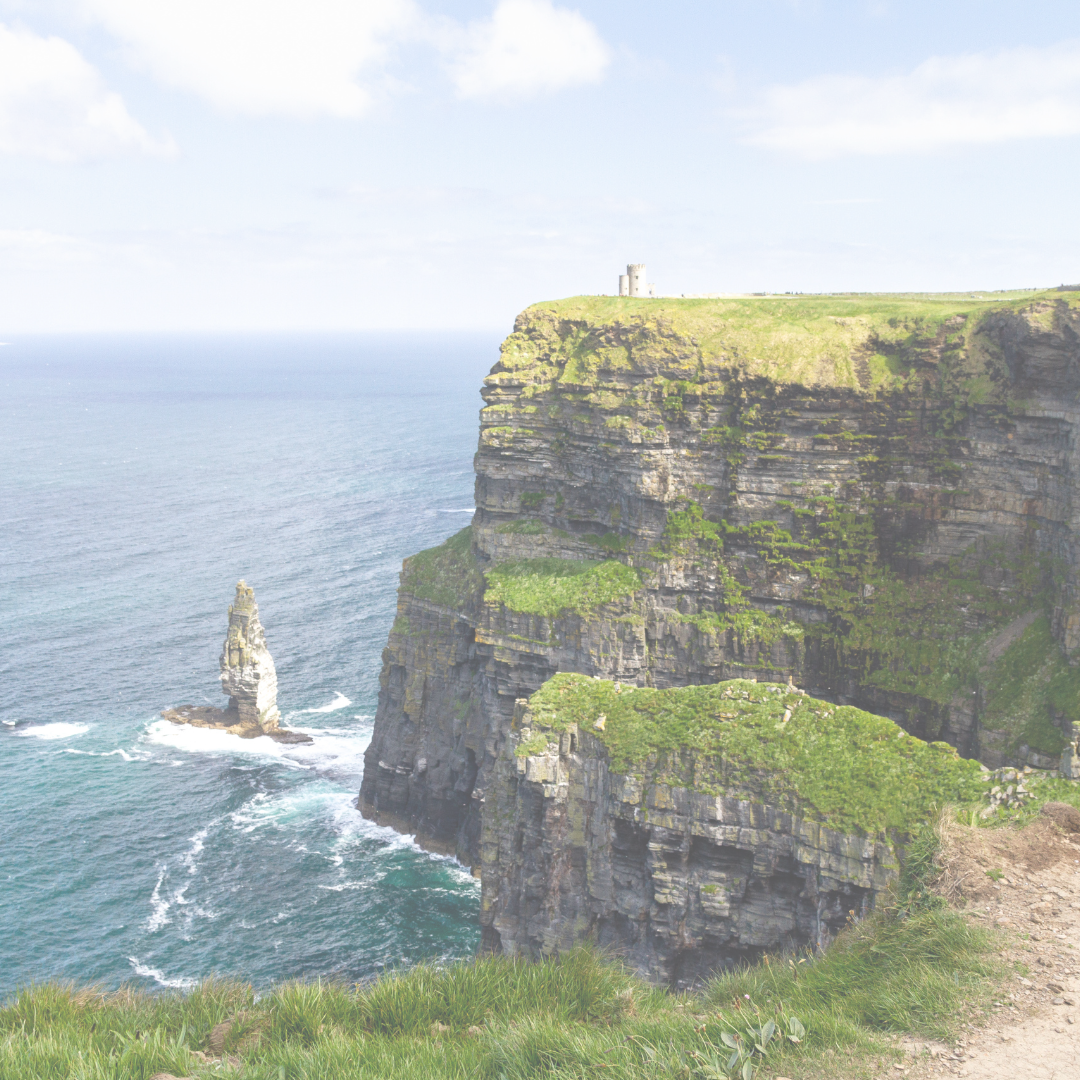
1020, 93
527, 47
54, 105
261, 56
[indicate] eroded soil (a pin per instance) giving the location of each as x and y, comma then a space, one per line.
1027, 884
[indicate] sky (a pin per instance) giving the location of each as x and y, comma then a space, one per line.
296, 165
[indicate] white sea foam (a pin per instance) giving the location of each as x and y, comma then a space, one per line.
118, 752
286, 809
159, 915
363, 716
339, 754
339, 702
9, 723
198, 842
159, 977
58, 730
196, 740
463, 510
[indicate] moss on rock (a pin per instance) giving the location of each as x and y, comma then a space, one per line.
445, 575
836, 763
1026, 685
550, 587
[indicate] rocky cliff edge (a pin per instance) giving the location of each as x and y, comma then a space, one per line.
874, 496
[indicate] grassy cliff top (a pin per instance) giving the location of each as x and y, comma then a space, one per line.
862, 341
850, 768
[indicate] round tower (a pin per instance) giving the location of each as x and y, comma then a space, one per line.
636, 273
624, 284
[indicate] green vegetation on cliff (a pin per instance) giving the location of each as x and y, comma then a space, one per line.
1027, 684
446, 574
926, 635
865, 342
835, 763
551, 587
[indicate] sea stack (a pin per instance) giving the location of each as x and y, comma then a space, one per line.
248, 678
247, 668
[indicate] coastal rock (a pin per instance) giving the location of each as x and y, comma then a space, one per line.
875, 497
692, 860
248, 678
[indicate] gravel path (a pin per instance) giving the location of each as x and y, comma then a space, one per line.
1035, 1031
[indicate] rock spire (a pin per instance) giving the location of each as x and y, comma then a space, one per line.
247, 668
247, 677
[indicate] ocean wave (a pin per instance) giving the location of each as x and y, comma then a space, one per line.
118, 752
339, 753
463, 510
159, 977
59, 730
198, 842
159, 915
363, 716
196, 740
339, 702
287, 808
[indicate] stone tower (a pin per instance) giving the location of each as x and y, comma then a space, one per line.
636, 274
247, 669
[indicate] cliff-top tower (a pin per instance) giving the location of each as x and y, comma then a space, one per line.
633, 283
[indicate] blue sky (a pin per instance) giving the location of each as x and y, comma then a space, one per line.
350, 164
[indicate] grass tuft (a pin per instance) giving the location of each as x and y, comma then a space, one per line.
551, 587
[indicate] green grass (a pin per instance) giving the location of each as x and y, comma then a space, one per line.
551, 587
864, 342
1031, 678
445, 575
568, 1018
522, 527
839, 764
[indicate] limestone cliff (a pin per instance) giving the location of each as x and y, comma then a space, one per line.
876, 496
692, 829
248, 677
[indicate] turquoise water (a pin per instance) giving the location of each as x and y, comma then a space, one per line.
140, 478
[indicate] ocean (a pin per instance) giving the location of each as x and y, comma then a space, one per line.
140, 478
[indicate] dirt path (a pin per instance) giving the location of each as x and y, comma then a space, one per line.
1035, 1032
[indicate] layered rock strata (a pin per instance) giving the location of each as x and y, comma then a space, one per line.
875, 496
707, 854
248, 677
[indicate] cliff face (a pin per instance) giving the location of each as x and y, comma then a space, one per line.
694, 829
872, 495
